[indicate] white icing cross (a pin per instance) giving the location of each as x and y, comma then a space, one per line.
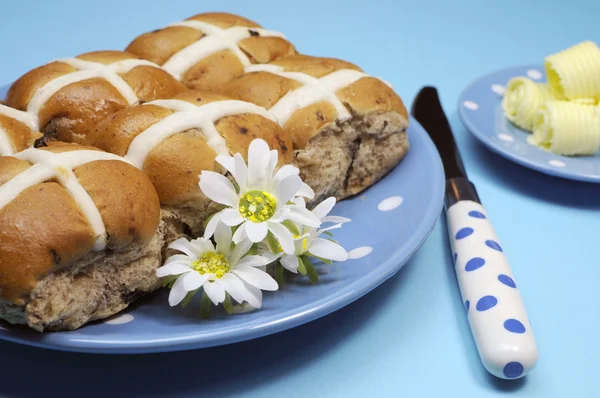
6, 144
48, 165
87, 70
216, 39
188, 116
312, 90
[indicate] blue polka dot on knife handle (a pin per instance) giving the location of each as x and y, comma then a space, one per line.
498, 318
463, 233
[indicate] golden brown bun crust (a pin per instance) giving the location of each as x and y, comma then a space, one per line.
175, 164
70, 112
40, 230
219, 68
128, 204
20, 135
365, 96
10, 167
44, 229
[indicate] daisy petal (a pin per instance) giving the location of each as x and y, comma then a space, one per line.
290, 262
335, 219
273, 158
336, 226
327, 249
180, 259
253, 295
202, 245
284, 236
323, 208
215, 292
184, 246
303, 216
284, 172
258, 163
256, 231
299, 201
231, 217
193, 281
287, 188
234, 286
306, 191
269, 256
256, 278
172, 269
240, 234
241, 171
212, 225
228, 162
223, 238
178, 292
253, 261
218, 188
239, 250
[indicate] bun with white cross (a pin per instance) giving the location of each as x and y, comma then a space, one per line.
174, 140
65, 97
208, 50
18, 130
348, 129
80, 236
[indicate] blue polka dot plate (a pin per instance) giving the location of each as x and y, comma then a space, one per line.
390, 221
481, 112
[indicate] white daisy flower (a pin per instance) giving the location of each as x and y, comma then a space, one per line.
217, 270
260, 203
307, 242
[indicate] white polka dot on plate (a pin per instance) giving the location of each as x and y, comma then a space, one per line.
1, 328
119, 319
557, 163
359, 252
506, 137
471, 105
534, 74
498, 89
390, 203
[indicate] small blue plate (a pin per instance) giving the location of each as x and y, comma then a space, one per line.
390, 221
481, 112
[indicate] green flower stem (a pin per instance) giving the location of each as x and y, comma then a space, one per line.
227, 304
291, 226
310, 270
188, 298
301, 267
279, 274
272, 242
168, 281
326, 261
205, 308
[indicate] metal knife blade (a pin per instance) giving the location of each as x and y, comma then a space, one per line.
428, 111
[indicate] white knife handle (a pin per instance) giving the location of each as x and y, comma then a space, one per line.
490, 293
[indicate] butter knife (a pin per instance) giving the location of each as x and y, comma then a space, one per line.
489, 290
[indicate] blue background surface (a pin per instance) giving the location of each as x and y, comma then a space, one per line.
410, 337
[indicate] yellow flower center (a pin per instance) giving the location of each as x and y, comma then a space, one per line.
212, 263
257, 206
